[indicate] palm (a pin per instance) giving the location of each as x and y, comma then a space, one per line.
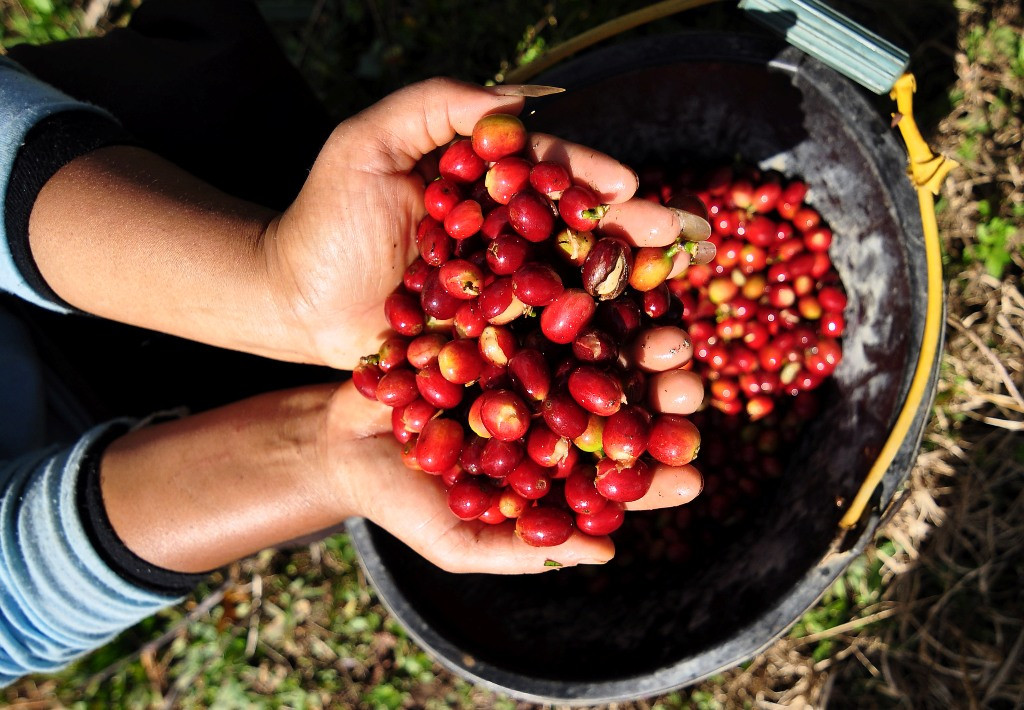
362, 228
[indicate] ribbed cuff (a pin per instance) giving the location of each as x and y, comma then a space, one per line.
108, 545
50, 145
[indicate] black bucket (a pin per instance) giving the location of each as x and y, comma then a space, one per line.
617, 632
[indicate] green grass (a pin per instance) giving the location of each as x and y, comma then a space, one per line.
994, 247
858, 589
38, 21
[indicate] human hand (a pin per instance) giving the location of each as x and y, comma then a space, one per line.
365, 466
343, 245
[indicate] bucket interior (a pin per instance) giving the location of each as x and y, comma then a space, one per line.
698, 98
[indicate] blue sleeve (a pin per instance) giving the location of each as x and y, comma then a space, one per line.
58, 598
24, 102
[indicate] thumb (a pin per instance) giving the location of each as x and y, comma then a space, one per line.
397, 131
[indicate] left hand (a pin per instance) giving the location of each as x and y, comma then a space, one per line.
337, 252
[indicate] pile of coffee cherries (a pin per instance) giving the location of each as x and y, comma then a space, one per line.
505, 373
766, 320
766, 314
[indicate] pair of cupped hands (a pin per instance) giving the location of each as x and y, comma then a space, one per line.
336, 253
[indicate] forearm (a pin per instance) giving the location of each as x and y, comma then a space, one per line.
196, 493
123, 234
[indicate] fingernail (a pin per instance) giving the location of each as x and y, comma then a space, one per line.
701, 252
591, 561
530, 91
692, 227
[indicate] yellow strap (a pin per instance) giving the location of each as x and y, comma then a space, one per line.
600, 33
927, 171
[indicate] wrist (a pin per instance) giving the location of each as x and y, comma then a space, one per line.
197, 493
150, 245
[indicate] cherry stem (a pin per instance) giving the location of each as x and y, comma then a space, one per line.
672, 249
594, 212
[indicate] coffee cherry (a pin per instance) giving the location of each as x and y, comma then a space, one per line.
469, 322
439, 445
499, 303
495, 223
656, 302
580, 208
581, 493
403, 313
440, 196
596, 390
674, 440
397, 387
574, 246
544, 526
507, 177
564, 415
470, 498
506, 253
603, 522
545, 447
623, 484
498, 135
365, 378
435, 300
493, 515
499, 458
416, 414
621, 317
464, 220
832, 324
460, 361
550, 178
594, 345
423, 350
537, 284
529, 479
398, 430
591, 440
461, 278
434, 388
497, 344
530, 374
651, 266
416, 273
563, 319
460, 164
626, 434
531, 215
504, 414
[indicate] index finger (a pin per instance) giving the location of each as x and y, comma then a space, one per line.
613, 181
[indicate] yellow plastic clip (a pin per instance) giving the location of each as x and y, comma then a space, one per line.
926, 171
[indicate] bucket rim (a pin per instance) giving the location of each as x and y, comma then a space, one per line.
597, 65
